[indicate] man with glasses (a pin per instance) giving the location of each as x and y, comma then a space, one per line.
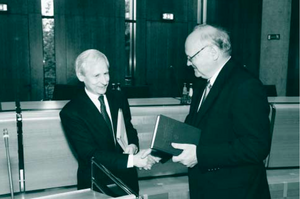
232, 112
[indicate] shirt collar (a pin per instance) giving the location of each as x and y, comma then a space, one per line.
214, 77
91, 95
95, 97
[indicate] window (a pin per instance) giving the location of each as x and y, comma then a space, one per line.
130, 40
48, 48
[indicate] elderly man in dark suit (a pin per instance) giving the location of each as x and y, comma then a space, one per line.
90, 121
232, 111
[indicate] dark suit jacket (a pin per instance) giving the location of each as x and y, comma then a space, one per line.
235, 137
90, 137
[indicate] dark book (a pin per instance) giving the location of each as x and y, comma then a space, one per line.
168, 130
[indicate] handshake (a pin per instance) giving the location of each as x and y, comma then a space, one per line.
145, 160
142, 159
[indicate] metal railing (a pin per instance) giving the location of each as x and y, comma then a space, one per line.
106, 189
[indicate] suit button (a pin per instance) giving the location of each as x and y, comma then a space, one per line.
208, 169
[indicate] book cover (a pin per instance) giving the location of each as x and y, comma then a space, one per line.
121, 131
168, 130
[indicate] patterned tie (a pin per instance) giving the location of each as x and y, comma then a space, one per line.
105, 115
205, 93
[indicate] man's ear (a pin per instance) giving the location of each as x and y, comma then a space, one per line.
215, 52
80, 76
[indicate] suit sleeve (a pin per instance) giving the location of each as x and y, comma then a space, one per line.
81, 139
250, 126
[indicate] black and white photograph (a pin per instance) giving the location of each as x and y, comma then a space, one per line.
149, 99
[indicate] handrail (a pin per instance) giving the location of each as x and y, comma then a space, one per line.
115, 179
6, 143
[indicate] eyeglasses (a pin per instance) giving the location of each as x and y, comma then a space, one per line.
192, 57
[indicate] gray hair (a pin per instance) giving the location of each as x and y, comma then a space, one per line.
215, 35
88, 56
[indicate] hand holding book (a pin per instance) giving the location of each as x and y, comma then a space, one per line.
168, 130
188, 156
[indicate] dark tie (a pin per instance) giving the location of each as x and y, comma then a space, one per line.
205, 93
105, 115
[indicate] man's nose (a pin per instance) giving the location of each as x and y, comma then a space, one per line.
188, 62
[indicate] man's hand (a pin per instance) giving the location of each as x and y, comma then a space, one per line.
131, 149
144, 160
188, 156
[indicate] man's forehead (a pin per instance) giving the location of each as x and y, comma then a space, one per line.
192, 42
96, 64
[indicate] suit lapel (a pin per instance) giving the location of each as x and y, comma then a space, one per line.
97, 117
215, 90
90, 106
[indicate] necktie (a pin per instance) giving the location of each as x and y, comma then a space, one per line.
205, 93
105, 115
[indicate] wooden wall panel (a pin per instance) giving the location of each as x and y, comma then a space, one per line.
17, 6
157, 57
155, 8
103, 8
33, 6
21, 69
161, 60
60, 49
243, 21
82, 25
35, 50
14, 56
192, 10
140, 71
36, 57
166, 61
